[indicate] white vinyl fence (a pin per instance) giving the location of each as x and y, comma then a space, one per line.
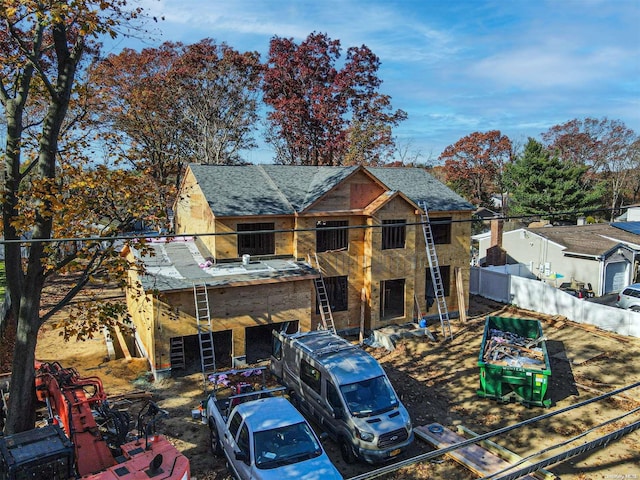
535, 295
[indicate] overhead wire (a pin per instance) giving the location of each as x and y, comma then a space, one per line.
561, 444
148, 235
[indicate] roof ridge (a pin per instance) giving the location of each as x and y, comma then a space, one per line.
275, 186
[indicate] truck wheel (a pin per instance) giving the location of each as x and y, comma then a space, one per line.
214, 441
346, 450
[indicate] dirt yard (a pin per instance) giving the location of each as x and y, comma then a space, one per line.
437, 382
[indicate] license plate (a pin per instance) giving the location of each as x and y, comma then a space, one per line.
395, 452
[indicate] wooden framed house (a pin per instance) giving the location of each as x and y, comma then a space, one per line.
359, 227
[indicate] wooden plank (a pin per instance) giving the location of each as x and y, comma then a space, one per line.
462, 308
505, 454
473, 457
123, 343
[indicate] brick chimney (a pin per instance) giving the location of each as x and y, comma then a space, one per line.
496, 232
496, 255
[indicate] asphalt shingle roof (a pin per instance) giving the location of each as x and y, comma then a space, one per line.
595, 239
247, 190
420, 186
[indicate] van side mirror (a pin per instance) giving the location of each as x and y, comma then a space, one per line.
338, 413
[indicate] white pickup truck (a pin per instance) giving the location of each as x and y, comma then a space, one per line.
261, 433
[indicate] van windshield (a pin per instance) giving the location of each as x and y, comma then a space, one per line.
369, 397
285, 445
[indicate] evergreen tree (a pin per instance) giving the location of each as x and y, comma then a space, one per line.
543, 185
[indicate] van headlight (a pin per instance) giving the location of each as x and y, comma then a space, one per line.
365, 436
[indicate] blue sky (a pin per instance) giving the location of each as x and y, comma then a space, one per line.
456, 67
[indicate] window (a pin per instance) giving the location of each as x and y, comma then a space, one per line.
310, 375
445, 277
260, 243
441, 230
330, 235
243, 440
235, 424
393, 233
336, 288
332, 396
392, 301
276, 347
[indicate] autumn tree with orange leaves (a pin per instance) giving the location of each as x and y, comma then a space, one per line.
51, 195
177, 103
322, 115
474, 165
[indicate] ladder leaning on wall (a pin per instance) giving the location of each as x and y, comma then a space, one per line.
436, 278
323, 299
205, 334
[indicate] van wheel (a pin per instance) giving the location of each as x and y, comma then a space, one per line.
214, 441
346, 450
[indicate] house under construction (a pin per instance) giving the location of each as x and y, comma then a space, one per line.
296, 247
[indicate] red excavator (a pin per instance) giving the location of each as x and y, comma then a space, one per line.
85, 437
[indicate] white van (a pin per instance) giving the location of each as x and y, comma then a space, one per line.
345, 391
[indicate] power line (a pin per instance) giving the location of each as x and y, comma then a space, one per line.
124, 237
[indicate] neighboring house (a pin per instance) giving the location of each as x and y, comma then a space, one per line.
363, 225
601, 254
630, 214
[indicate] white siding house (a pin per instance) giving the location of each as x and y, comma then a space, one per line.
603, 255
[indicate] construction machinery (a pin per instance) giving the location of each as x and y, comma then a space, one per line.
85, 437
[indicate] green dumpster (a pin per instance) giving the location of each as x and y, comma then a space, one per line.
514, 363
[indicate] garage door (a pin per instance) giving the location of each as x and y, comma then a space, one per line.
615, 277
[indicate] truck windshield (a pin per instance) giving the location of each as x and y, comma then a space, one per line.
285, 445
369, 397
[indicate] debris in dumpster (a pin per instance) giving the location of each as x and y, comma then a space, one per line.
508, 348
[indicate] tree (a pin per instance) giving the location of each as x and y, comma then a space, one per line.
42, 46
603, 145
542, 185
324, 116
474, 165
219, 88
141, 120
179, 103
634, 179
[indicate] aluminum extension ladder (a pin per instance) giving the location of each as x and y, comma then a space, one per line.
205, 334
436, 278
323, 299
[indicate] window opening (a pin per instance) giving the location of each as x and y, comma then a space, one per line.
429, 291
337, 294
441, 230
392, 302
260, 243
394, 234
329, 235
